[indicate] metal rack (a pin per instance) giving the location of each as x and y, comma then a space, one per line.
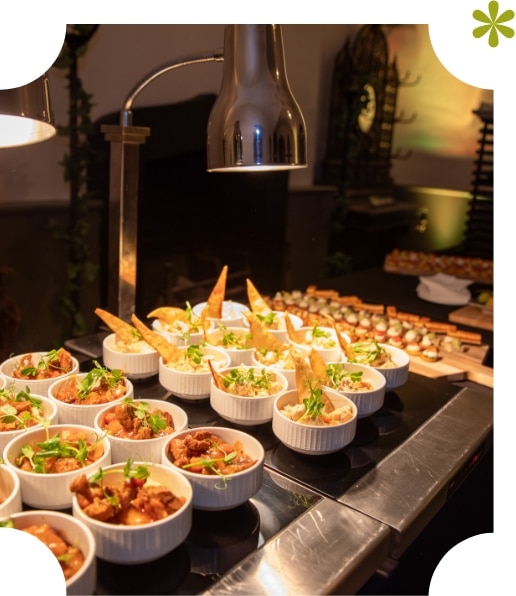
478, 241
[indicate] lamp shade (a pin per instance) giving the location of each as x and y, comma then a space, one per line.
255, 123
25, 114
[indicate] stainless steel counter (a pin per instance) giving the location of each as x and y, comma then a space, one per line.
329, 524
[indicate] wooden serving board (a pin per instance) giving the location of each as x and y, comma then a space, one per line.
473, 316
455, 366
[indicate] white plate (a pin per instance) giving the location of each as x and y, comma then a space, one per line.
455, 299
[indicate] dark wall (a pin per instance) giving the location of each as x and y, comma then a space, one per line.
235, 219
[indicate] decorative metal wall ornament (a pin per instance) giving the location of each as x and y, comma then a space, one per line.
362, 115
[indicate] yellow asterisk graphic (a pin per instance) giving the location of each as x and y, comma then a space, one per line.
493, 23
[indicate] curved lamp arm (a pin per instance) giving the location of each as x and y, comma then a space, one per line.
125, 140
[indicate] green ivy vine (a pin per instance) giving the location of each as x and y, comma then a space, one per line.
80, 267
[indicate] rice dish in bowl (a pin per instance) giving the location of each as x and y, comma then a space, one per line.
297, 429
188, 375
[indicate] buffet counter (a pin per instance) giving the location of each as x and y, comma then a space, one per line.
338, 523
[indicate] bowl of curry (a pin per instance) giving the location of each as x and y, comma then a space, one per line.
70, 541
137, 429
38, 370
80, 397
223, 465
46, 459
137, 512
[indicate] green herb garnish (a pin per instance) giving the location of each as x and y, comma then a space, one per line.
99, 375
54, 447
10, 414
314, 404
44, 363
337, 373
243, 377
141, 410
267, 319
211, 464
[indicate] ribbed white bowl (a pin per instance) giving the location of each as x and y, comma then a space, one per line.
231, 313
128, 545
148, 450
10, 492
209, 493
191, 385
313, 440
76, 533
50, 414
289, 374
177, 339
82, 413
246, 411
50, 491
328, 354
36, 386
237, 356
367, 402
398, 375
134, 365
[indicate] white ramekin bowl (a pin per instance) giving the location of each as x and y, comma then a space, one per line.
244, 410
278, 327
210, 492
308, 439
74, 532
367, 401
177, 338
148, 450
134, 365
397, 375
76, 413
128, 545
237, 355
329, 353
10, 492
49, 415
36, 386
190, 385
288, 373
50, 491
232, 313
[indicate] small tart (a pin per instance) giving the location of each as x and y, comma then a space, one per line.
430, 354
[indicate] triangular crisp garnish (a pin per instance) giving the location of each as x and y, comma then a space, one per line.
126, 332
256, 301
345, 346
165, 349
169, 314
215, 300
292, 333
263, 339
307, 380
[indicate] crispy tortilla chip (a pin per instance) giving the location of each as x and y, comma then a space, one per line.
306, 378
124, 331
217, 378
169, 314
345, 346
256, 301
215, 300
166, 350
318, 366
262, 337
292, 333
